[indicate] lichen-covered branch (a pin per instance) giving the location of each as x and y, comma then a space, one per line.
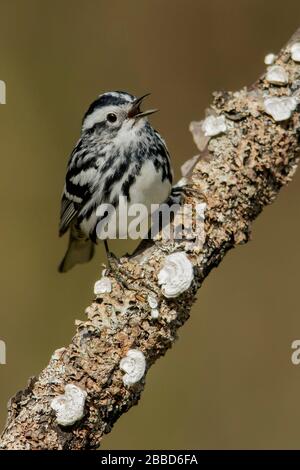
249, 149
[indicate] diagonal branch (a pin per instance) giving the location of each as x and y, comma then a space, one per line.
240, 171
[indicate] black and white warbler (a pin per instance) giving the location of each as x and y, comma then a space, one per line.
118, 154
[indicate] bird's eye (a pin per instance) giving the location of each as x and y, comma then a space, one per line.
111, 117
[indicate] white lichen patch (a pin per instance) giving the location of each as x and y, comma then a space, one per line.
280, 108
203, 130
295, 51
214, 125
176, 275
153, 304
154, 313
152, 301
103, 285
200, 139
270, 58
69, 407
56, 356
134, 366
277, 75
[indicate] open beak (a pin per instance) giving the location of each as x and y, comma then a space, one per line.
135, 111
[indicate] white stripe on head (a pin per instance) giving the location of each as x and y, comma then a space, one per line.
99, 115
111, 101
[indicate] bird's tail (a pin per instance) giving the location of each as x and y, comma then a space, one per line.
80, 250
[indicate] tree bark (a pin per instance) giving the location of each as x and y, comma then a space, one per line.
238, 172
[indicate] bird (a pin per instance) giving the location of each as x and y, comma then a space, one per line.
118, 154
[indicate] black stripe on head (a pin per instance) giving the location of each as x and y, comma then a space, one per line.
108, 99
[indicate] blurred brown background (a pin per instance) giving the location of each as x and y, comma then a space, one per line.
229, 381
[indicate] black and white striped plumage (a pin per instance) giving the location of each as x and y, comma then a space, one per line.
118, 153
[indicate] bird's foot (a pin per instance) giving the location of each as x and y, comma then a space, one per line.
189, 190
179, 192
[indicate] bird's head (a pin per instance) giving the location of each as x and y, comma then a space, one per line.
115, 113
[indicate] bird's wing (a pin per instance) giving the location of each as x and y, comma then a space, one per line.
77, 191
67, 213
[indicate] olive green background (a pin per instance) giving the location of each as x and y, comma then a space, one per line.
229, 381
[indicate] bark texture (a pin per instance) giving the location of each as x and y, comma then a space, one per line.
238, 173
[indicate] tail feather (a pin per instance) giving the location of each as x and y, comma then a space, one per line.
79, 251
